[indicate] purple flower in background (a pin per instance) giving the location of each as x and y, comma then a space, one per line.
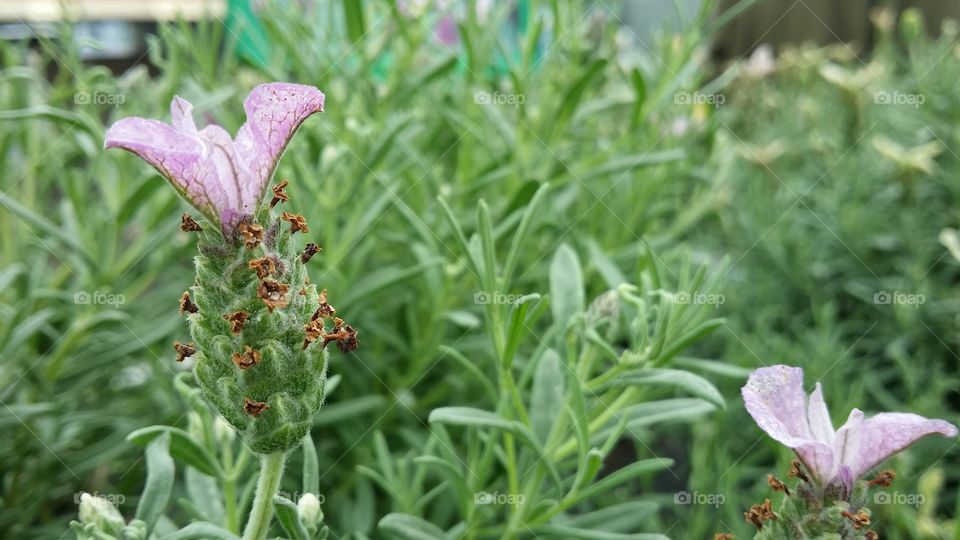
774, 396
223, 177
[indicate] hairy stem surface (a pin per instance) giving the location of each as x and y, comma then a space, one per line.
271, 471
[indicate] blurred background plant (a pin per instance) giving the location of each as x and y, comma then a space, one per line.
840, 175
603, 160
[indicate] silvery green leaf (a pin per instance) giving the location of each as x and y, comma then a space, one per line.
407, 527
289, 518
566, 285
546, 400
160, 476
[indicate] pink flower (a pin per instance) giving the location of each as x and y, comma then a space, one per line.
774, 396
221, 177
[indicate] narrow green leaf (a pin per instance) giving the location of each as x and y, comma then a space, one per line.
407, 527
564, 531
690, 382
702, 330
205, 494
529, 213
353, 14
489, 276
289, 517
311, 468
200, 530
566, 285
574, 93
182, 447
471, 417
471, 262
622, 166
547, 395
620, 518
620, 476
160, 475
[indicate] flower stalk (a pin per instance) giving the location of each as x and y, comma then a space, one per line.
271, 472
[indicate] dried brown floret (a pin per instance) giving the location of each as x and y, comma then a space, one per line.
759, 513
325, 311
188, 224
273, 294
297, 222
314, 330
859, 520
254, 408
236, 320
184, 350
264, 266
252, 234
776, 485
883, 478
796, 471
247, 359
309, 251
279, 194
344, 335
186, 304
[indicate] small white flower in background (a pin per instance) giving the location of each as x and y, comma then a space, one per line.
852, 81
101, 513
761, 62
762, 154
309, 508
951, 240
918, 158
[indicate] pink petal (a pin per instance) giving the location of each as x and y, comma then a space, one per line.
274, 112
222, 177
446, 31
231, 172
176, 156
819, 417
885, 434
775, 399
846, 445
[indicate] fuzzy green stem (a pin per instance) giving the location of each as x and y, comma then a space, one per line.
271, 471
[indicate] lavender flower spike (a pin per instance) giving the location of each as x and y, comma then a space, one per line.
775, 398
223, 178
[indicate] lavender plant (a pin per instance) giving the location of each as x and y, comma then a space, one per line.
829, 499
260, 328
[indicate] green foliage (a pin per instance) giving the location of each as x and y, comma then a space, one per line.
403, 126
820, 221
522, 275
